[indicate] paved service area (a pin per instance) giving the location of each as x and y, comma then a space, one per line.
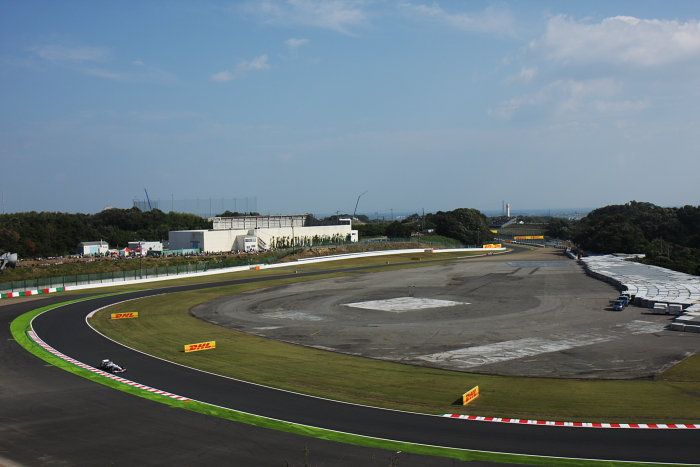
533, 313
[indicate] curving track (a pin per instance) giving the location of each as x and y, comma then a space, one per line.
65, 330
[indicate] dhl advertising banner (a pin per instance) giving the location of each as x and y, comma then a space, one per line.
530, 237
470, 395
133, 314
492, 245
200, 346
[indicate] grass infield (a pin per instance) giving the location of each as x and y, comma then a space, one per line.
164, 327
21, 325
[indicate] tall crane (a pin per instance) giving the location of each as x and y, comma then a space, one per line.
148, 199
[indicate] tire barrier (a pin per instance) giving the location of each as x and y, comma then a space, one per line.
662, 290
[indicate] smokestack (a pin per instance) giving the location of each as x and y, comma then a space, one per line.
508, 209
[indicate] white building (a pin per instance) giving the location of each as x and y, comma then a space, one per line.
93, 248
143, 247
253, 233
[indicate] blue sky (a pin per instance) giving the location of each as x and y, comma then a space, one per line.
306, 104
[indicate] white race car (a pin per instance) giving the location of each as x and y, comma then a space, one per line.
109, 365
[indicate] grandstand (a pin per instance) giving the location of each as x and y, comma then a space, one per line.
502, 221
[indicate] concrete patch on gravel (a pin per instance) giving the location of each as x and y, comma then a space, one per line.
294, 315
402, 304
510, 350
644, 327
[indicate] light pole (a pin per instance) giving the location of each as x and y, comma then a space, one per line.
358, 202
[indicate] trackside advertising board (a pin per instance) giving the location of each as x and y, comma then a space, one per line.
470, 395
200, 346
132, 314
492, 245
530, 237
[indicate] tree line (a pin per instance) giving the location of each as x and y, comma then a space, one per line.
45, 234
669, 237
467, 226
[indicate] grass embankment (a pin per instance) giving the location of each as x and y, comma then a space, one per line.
164, 327
44, 269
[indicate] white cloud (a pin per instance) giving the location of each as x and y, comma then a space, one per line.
491, 20
63, 53
259, 63
525, 76
223, 76
620, 106
294, 44
166, 115
564, 97
620, 40
337, 15
90, 61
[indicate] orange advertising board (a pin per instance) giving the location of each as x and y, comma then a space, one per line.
470, 395
200, 346
493, 245
530, 237
133, 314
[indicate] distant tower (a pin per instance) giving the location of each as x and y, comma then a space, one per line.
508, 209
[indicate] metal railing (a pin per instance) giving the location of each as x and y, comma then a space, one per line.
134, 274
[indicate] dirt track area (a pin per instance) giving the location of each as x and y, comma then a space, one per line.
534, 313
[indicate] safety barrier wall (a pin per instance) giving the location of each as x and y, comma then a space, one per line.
653, 287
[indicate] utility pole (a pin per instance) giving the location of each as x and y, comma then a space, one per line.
392, 215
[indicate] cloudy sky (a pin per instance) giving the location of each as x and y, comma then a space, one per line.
306, 104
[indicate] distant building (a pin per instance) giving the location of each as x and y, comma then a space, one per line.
93, 248
254, 233
143, 247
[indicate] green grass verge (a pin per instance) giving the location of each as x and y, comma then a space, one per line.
21, 325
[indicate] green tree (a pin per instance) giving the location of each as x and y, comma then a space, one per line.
400, 229
561, 228
466, 225
610, 234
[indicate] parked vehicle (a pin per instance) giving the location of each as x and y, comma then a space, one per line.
625, 299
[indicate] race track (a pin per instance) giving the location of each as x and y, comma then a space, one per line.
65, 329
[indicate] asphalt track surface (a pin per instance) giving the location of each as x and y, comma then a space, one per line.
65, 329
